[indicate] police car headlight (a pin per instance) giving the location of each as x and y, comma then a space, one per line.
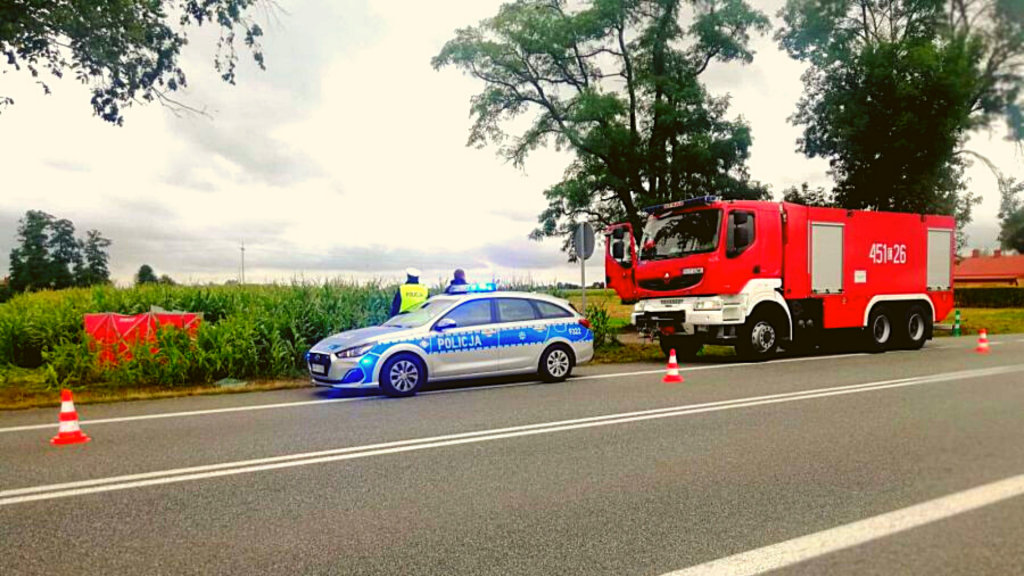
354, 352
708, 304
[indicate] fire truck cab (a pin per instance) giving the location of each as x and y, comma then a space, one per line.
754, 275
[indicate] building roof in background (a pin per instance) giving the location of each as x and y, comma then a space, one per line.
993, 267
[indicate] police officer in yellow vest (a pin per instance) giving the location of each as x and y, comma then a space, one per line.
410, 294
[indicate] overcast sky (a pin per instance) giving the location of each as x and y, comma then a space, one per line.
347, 157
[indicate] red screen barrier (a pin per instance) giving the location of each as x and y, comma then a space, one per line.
115, 334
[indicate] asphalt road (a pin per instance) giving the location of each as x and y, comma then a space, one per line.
898, 463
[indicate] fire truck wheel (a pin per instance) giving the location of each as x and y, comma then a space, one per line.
879, 329
915, 327
686, 347
758, 339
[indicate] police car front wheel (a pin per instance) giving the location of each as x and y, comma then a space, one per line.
556, 364
402, 375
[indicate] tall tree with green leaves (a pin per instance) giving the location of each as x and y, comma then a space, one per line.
894, 89
617, 82
49, 256
145, 275
94, 251
30, 263
818, 197
126, 51
65, 254
1011, 215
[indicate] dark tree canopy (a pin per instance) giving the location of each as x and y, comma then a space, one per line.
30, 260
94, 250
617, 83
48, 256
894, 89
1011, 216
145, 275
127, 51
817, 197
65, 254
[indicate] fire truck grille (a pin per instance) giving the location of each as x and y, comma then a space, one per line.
674, 283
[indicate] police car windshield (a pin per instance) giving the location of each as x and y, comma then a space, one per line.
422, 314
681, 234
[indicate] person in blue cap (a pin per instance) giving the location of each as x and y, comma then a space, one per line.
458, 284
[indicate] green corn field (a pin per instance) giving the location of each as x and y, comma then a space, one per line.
247, 331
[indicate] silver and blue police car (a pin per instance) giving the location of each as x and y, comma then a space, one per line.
482, 332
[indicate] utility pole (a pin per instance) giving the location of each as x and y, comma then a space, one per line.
242, 281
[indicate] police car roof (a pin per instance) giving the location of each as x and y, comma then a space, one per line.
506, 294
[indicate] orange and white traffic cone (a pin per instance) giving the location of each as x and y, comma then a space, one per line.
982, 342
69, 432
672, 374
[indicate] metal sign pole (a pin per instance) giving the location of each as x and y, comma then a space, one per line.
584, 249
583, 282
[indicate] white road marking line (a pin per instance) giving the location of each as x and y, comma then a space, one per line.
188, 413
52, 491
846, 536
361, 398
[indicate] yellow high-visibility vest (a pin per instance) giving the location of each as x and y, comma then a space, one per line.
412, 295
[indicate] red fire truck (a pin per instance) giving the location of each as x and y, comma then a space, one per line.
755, 275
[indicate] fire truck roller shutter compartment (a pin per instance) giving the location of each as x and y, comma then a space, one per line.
940, 248
826, 258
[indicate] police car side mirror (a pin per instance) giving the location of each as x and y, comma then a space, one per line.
445, 324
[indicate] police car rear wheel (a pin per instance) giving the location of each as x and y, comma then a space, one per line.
556, 364
402, 375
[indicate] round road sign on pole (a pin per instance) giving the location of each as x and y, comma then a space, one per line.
584, 249
585, 240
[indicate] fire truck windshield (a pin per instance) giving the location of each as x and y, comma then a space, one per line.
678, 235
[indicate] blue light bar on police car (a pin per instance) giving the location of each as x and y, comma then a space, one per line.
702, 201
477, 288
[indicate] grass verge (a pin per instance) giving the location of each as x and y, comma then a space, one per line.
23, 388
28, 392
994, 320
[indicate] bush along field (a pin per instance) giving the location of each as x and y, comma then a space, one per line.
260, 333
247, 332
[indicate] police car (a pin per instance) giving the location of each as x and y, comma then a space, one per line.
482, 332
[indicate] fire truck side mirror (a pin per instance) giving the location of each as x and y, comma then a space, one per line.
740, 218
619, 233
